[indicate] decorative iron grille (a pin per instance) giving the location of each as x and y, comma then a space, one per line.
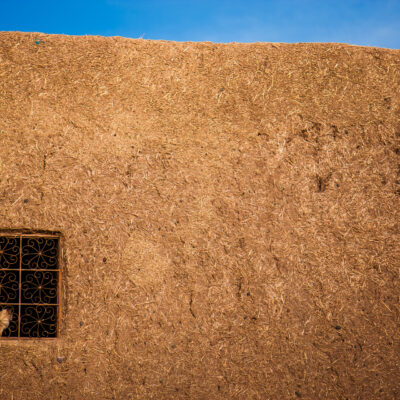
30, 279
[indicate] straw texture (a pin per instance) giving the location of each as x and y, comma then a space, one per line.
230, 216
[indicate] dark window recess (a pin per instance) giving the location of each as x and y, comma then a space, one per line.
30, 285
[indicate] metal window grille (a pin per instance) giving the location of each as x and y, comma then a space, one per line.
30, 282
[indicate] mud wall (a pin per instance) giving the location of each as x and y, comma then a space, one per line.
230, 216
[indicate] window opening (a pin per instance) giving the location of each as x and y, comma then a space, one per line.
30, 279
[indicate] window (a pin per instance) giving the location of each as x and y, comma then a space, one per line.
30, 279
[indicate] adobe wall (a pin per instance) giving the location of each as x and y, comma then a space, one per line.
230, 216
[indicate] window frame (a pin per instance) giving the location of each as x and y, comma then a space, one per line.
20, 234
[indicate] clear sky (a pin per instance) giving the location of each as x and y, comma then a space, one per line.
360, 22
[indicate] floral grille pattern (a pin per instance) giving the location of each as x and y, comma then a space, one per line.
29, 285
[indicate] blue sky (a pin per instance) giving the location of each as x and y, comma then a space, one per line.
360, 22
